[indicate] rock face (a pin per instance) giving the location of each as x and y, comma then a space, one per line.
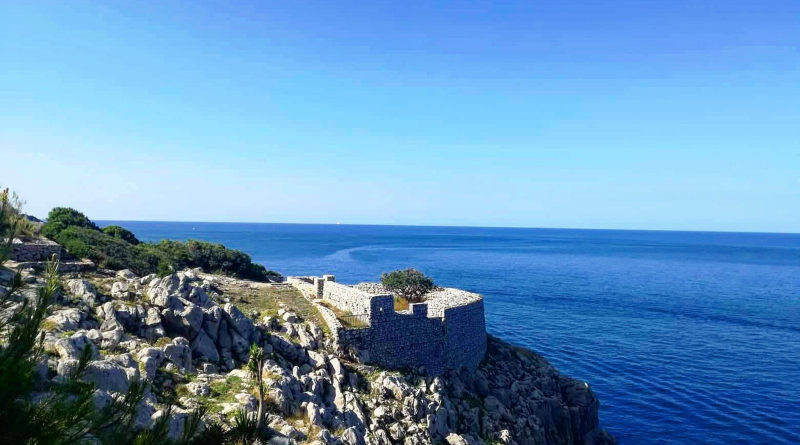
172, 332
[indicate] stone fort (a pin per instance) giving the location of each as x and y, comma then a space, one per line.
446, 331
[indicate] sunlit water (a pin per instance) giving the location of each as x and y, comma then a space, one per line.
686, 337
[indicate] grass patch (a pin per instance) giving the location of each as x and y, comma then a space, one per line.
267, 300
223, 391
163, 341
400, 304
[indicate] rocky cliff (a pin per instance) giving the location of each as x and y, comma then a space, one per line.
189, 334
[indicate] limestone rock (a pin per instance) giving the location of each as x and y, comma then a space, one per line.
73, 346
83, 290
204, 347
107, 375
65, 319
240, 323
126, 274
179, 353
199, 389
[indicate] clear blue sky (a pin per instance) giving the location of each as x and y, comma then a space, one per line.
601, 114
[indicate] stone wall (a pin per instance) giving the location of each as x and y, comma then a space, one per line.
465, 335
446, 332
347, 298
304, 285
406, 340
39, 250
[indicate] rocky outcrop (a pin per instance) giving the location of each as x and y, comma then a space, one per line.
179, 333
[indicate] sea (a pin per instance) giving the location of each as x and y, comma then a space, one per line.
685, 337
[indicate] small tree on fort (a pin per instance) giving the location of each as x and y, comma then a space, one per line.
410, 284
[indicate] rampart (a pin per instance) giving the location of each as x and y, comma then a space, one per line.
447, 331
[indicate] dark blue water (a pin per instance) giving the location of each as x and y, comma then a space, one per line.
686, 337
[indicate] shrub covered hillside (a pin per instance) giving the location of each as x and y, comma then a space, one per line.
115, 247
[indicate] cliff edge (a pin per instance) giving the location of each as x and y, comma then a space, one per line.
187, 334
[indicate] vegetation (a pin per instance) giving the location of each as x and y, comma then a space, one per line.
12, 222
62, 217
121, 233
115, 247
254, 367
400, 304
410, 284
267, 300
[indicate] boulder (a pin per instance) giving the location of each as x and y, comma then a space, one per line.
314, 414
120, 290
316, 359
65, 320
151, 359
240, 323
352, 436
72, 347
179, 353
83, 290
107, 375
204, 347
461, 439
126, 274
200, 389
66, 366
182, 318
212, 317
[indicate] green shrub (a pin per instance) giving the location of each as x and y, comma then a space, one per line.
106, 251
245, 427
62, 217
121, 233
115, 247
211, 257
410, 284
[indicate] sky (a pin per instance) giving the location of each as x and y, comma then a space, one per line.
679, 115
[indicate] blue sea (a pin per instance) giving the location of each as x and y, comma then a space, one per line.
686, 337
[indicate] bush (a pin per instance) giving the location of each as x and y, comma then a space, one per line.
115, 247
106, 251
410, 284
121, 233
211, 257
62, 217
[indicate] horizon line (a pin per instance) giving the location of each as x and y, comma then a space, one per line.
448, 226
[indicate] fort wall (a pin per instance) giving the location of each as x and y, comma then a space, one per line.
447, 331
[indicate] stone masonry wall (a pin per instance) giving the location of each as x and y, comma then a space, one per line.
39, 250
446, 332
400, 340
465, 335
347, 298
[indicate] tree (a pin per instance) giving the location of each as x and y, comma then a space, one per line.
410, 284
255, 366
